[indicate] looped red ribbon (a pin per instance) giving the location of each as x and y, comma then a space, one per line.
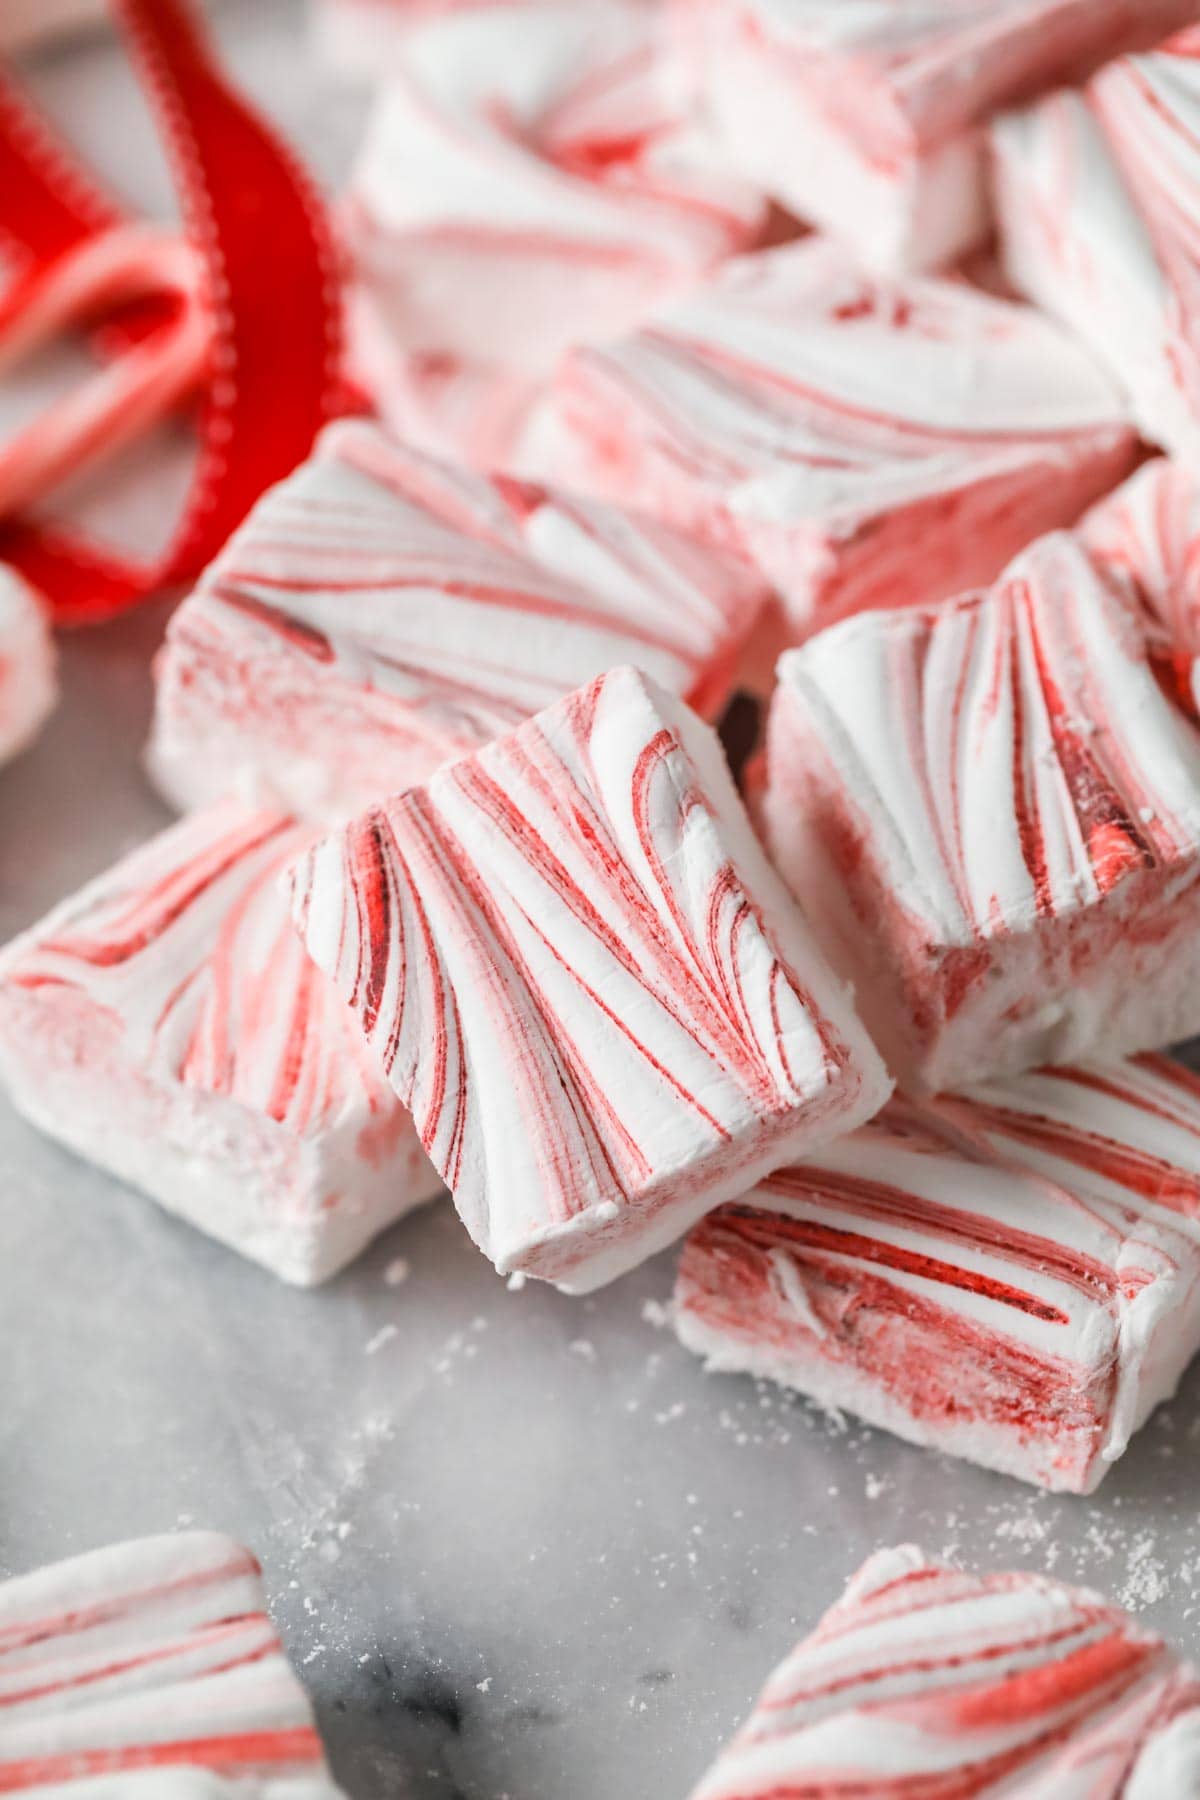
268, 280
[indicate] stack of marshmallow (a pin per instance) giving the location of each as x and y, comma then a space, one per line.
465, 892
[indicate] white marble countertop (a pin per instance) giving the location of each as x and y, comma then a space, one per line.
520, 1546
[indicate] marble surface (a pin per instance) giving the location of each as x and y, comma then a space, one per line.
520, 1546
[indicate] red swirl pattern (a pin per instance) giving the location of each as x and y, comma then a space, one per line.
152, 1655
576, 967
1012, 1275
927, 1681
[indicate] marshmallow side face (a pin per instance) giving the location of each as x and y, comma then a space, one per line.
1097, 210
973, 1683
1021, 1265
573, 961
381, 612
1145, 538
866, 120
826, 421
152, 1668
28, 683
528, 181
166, 1024
993, 811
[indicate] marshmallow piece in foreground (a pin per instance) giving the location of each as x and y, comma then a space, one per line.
577, 967
866, 119
151, 1668
1098, 205
165, 1024
925, 1680
28, 684
992, 812
868, 442
528, 182
380, 612
1146, 538
1011, 1275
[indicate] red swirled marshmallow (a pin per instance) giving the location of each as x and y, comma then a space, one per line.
1011, 1275
528, 181
1098, 202
151, 1670
576, 967
867, 118
166, 1024
381, 611
993, 810
869, 442
926, 1680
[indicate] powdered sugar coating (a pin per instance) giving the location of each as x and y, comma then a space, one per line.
925, 1679
576, 967
380, 612
996, 812
826, 421
152, 1667
166, 1023
528, 182
1012, 1275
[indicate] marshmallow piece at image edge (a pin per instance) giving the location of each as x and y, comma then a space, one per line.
1011, 1275
28, 678
866, 120
165, 1024
923, 1676
1098, 205
381, 611
824, 422
528, 181
1145, 538
577, 968
151, 1668
990, 811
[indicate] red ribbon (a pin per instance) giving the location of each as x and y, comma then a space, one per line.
271, 284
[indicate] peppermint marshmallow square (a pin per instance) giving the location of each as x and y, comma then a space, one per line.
867, 119
572, 959
1011, 1275
1098, 208
528, 182
151, 1669
829, 423
924, 1679
165, 1024
992, 812
380, 611
28, 682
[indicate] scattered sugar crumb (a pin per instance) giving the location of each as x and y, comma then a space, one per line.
516, 1281
583, 1347
658, 1313
397, 1271
485, 1685
382, 1336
